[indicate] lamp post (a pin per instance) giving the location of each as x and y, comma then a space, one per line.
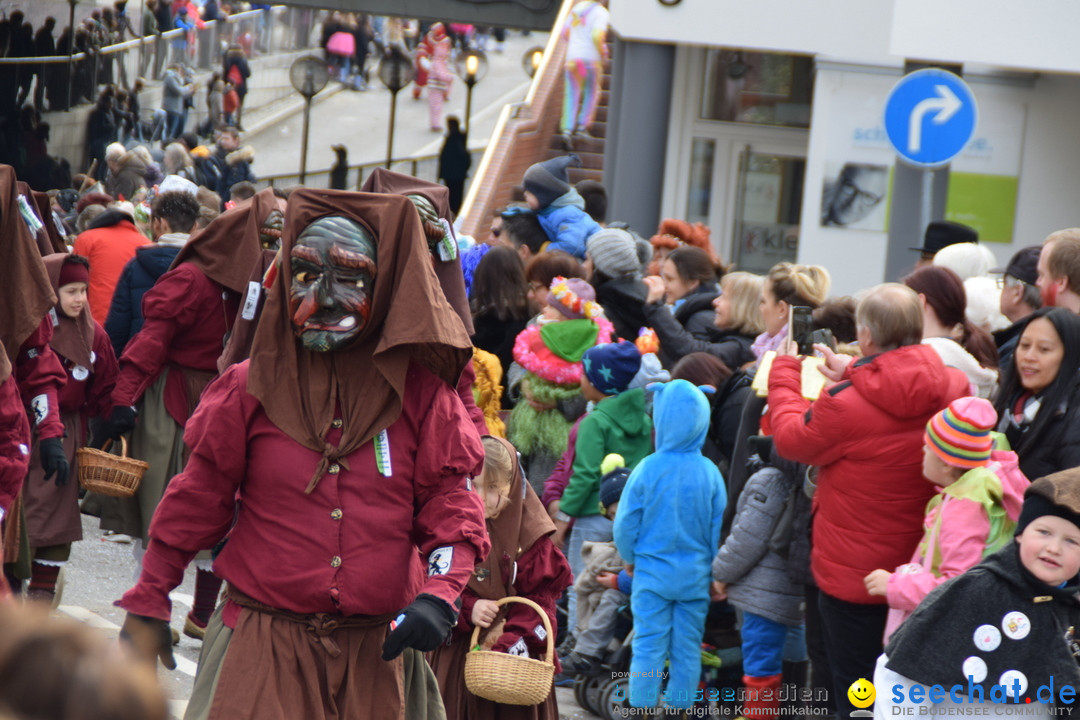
395, 71
471, 67
308, 76
71, 49
530, 61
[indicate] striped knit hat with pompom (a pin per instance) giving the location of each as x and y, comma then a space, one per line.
960, 434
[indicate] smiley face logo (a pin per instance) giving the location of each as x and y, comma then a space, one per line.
861, 694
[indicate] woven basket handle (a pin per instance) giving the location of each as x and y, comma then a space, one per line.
550, 652
123, 446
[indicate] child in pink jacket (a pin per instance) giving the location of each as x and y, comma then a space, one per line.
973, 514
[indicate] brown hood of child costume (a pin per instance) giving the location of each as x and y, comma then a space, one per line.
48, 239
25, 292
228, 248
302, 390
451, 279
518, 527
73, 338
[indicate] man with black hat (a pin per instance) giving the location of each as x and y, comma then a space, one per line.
940, 234
1019, 297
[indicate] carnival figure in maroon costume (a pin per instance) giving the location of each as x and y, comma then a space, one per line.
51, 509
189, 314
14, 445
336, 460
25, 331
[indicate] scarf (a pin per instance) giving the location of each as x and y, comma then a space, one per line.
410, 321
765, 342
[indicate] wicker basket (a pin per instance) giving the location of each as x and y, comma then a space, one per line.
511, 679
108, 474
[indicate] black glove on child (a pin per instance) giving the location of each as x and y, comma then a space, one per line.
150, 638
426, 624
121, 421
54, 460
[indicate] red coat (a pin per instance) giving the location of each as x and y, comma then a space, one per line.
865, 435
186, 318
14, 443
40, 377
108, 249
360, 543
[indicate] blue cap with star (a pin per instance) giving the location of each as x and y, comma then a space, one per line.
611, 367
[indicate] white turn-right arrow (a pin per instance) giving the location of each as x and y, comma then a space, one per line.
946, 104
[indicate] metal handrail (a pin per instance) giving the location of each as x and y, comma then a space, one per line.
413, 161
135, 42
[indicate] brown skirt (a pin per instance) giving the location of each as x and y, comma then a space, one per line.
448, 662
51, 513
272, 668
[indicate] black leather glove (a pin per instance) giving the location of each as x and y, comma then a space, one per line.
54, 460
425, 626
121, 421
99, 432
150, 638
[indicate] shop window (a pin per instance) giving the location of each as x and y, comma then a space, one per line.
758, 88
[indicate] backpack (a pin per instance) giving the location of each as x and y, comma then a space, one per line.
235, 76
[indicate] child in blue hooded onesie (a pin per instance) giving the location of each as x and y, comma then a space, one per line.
667, 531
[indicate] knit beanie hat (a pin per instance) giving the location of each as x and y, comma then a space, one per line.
1057, 494
611, 367
960, 434
548, 180
574, 298
73, 272
613, 252
615, 475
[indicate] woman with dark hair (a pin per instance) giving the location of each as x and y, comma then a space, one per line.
500, 308
1038, 402
960, 343
681, 299
732, 390
544, 268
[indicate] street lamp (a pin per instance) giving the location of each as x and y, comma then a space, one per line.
396, 71
531, 60
471, 66
308, 76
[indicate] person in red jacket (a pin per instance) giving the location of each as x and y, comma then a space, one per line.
25, 331
188, 315
109, 242
336, 459
14, 446
51, 509
864, 435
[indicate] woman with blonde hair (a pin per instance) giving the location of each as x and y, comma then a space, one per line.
177, 161
787, 285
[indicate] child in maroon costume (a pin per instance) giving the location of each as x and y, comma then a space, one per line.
51, 509
522, 562
336, 460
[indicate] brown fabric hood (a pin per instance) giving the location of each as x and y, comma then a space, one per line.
25, 292
73, 338
410, 320
518, 527
451, 279
228, 248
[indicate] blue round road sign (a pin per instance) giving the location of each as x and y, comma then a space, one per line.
930, 116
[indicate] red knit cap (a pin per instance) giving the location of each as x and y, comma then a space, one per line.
73, 272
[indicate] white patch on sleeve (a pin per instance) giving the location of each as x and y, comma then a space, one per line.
440, 561
39, 406
468, 484
540, 632
519, 648
53, 316
23, 449
32, 353
251, 302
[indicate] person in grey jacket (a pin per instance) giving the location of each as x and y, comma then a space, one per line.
752, 570
175, 90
